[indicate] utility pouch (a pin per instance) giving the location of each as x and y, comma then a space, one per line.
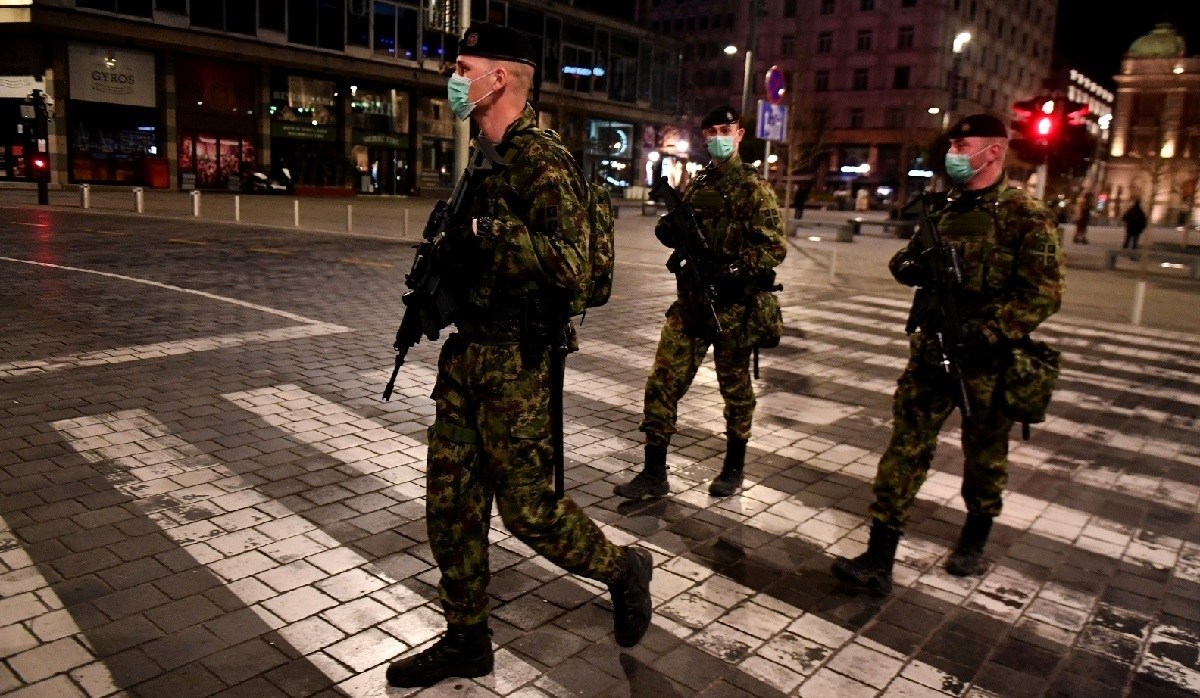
1028, 381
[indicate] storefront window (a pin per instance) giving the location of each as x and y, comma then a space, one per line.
610, 153
304, 130
137, 8
110, 143
378, 109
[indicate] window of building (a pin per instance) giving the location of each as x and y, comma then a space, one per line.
271, 15
691, 24
896, 117
176, 6
900, 76
787, 44
704, 23
860, 79
358, 24
789, 8
396, 29
137, 8
856, 118
825, 42
904, 38
863, 42
827, 7
821, 81
319, 23
908, 3
866, 5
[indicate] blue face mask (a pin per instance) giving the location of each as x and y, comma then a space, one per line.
458, 92
720, 147
958, 166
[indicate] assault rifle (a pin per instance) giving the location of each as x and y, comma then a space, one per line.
934, 308
429, 305
692, 250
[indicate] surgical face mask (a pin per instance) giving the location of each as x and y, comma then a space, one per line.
458, 92
958, 166
720, 147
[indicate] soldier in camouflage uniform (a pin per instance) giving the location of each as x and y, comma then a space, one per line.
739, 219
491, 437
1012, 281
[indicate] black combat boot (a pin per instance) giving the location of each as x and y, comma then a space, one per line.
871, 571
730, 478
465, 651
632, 605
966, 558
652, 481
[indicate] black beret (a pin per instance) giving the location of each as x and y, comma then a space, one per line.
721, 115
498, 42
982, 125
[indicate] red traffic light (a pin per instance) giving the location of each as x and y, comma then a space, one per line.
1045, 126
40, 163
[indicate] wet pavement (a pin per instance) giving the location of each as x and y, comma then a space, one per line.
201, 492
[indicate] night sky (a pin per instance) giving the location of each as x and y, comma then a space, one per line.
1093, 37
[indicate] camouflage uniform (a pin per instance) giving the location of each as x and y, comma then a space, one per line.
739, 216
492, 432
1012, 281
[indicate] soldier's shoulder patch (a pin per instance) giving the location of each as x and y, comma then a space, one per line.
773, 217
1045, 252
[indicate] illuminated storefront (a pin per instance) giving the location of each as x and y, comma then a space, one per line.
114, 125
381, 148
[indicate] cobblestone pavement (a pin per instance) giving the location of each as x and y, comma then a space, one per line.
201, 492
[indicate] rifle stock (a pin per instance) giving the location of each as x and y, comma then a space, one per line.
935, 310
692, 249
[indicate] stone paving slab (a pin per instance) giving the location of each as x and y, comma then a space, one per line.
201, 492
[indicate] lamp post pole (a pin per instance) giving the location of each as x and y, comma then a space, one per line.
752, 9
960, 41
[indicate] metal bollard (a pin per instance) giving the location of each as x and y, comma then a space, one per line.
139, 200
1139, 302
349, 218
404, 232
85, 196
237, 208
195, 203
296, 212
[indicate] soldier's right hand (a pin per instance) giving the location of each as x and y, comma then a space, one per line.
910, 272
666, 230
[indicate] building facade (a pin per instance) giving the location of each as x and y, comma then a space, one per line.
1155, 144
873, 82
348, 95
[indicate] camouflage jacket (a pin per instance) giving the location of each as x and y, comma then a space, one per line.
536, 242
739, 217
1011, 255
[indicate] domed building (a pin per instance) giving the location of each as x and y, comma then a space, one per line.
1155, 143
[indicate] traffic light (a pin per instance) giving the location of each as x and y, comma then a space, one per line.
1045, 123
39, 167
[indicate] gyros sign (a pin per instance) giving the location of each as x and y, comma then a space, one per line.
114, 76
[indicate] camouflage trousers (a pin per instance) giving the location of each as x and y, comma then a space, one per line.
923, 401
676, 361
491, 439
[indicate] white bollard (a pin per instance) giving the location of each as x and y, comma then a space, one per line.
85, 196
1139, 301
195, 203
833, 265
237, 208
139, 200
296, 212
349, 218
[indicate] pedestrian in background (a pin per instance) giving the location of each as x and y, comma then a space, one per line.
1083, 218
1012, 271
1135, 223
738, 216
802, 193
491, 437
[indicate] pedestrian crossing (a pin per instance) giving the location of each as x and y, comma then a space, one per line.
348, 610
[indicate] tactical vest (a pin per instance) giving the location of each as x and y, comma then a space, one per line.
987, 250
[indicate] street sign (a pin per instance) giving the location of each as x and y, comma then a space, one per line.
776, 85
772, 121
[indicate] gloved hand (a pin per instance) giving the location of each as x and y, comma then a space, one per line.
911, 272
982, 338
666, 230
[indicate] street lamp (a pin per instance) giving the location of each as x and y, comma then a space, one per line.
960, 41
730, 50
